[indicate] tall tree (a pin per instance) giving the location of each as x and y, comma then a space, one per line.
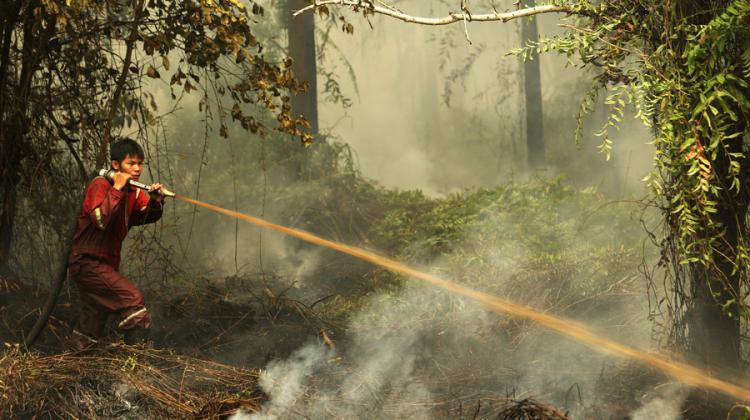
17, 78
532, 83
302, 52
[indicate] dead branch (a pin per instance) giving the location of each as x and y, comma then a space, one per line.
114, 105
452, 17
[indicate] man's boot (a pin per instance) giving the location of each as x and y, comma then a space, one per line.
137, 336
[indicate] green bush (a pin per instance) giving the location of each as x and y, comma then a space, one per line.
541, 243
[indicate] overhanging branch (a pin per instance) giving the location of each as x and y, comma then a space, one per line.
452, 17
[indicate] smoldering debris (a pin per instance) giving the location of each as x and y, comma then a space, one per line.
424, 354
415, 353
529, 409
316, 382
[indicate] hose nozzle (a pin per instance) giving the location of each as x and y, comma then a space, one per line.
109, 174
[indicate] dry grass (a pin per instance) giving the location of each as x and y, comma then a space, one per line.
8, 285
125, 382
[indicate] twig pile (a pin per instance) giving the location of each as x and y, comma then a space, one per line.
125, 382
528, 409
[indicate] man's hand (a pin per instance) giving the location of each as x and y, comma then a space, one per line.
121, 180
154, 190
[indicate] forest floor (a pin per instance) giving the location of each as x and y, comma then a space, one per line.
135, 382
348, 340
198, 368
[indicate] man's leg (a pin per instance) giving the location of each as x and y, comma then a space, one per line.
92, 318
104, 288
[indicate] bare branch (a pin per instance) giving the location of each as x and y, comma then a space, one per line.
452, 17
114, 105
466, 12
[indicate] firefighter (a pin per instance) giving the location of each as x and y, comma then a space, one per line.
110, 208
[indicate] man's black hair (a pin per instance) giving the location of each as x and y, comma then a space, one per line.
124, 147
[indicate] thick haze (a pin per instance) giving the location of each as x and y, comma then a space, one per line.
402, 132
430, 111
405, 135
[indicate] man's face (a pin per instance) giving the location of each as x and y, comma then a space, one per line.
131, 165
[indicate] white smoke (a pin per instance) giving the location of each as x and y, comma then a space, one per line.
664, 403
285, 382
409, 350
372, 378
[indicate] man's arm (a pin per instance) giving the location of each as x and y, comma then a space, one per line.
102, 202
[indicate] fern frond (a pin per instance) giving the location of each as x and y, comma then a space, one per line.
745, 57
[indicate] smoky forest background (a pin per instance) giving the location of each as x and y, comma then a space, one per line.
588, 163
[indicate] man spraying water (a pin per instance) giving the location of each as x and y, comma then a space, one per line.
111, 206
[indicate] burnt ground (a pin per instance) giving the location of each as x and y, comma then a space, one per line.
208, 347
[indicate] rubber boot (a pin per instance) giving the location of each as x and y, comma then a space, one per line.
137, 336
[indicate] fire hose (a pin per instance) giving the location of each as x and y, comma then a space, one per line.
109, 174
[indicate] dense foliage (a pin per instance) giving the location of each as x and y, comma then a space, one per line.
684, 67
542, 243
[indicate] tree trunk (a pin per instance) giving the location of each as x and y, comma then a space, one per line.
10, 16
713, 320
13, 129
7, 216
533, 96
7, 190
714, 335
130, 45
301, 30
302, 51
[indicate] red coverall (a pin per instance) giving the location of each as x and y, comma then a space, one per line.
106, 216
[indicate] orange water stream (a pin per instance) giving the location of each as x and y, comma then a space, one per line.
579, 332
